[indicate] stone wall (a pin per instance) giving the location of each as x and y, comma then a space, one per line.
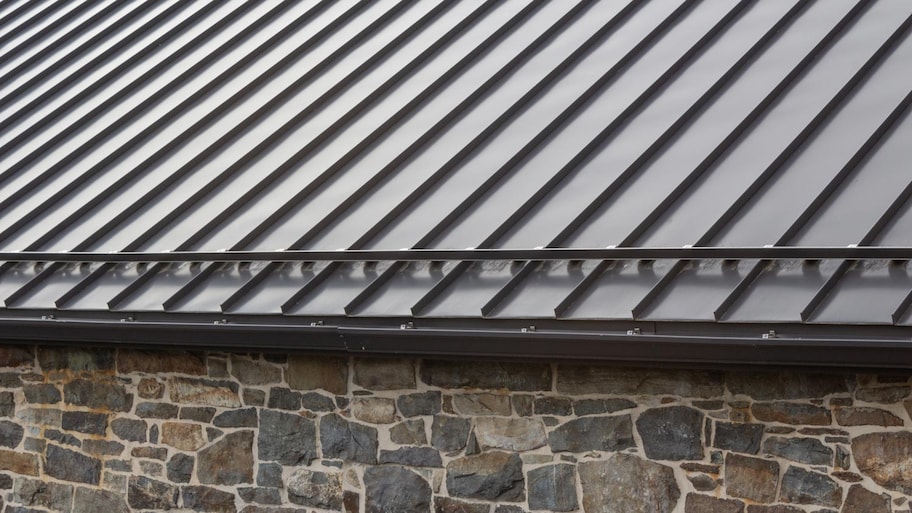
127, 430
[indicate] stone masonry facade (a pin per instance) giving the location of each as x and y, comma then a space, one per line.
126, 430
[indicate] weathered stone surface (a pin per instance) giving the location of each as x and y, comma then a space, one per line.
182, 436
522, 404
266, 509
254, 372
425, 403
204, 498
803, 450
260, 495
245, 417
863, 416
44, 494
180, 468
553, 488
703, 483
286, 438
800, 486
157, 410
886, 458
593, 434
449, 433
791, 413
158, 362
40, 416
284, 399
374, 410
145, 493
11, 434
512, 434
19, 463
672, 433
311, 372
553, 406
409, 432
860, 500
84, 422
517, 377
315, 489
751, 478
7, 404
6, 482
508, 508
103, 447
75, 359
43, 393
228, 461
392, 488
883, 395
412, 457
156, 453
598, 406
197, 413
695, 503
593, 379
68, 465
384, 373
483, 404
348, 441
254, 397
149, 388
16, 356
64, 438
738, 437
89, 500
10, 380
315, 401
449, 505
131, 430
270, 474
489, 476
97, 395
766, 386
778, 508
204, 391
624, 482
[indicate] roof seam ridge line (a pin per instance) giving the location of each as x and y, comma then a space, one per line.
732, 297
491, 305
658, 288
825, 290
582, 287
352, 306
441, 285
28, 22
42, 34
309, 287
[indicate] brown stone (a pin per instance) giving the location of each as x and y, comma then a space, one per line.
883, 395
751, 478
705, 504
512, 434
765, 386
860, 500
886, 458
626, 483
228, 461
149, 388
593, 379
254, 372
863, 416
158, 362
16, 356
204, 391
19, 463
312, 372
849, 477
779, 508
517, 377
384, 374
375, 410
409, 432
483, 404
183, 436
791, 413
448, 505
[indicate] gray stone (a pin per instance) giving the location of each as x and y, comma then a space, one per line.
204, 392
228, 461
64, 438
270, 474
149, 388
160, 362
738, 437
626, 483
269, 509
450, 505
516, 377
145, 493
751, 478
151, 468
88, 500
75, 360
10, 380
412, 457
885, 457
374, 410
766, 386
425, 403
860, 500
392, 488
489, 476
260, 495
703, 483
483, 404
284, 399
245, 417
803, 450
180, 468
44, 494
130, 430
522, 404
254, 397
599, 406
204, 498
672, 433
153, 434
553, 406
286, 438
883, 395
85, 422
197, 413
11, 434
6, 482
863, 416
778, 508
315, 489
312, 372
593, 434
7, 404
409, 432
792, 413
40, 416
155, 453
97, 395
800, 486
254, 372
593, 379
315, 401
157, 411
68, 465
103, 447
553, 488
384, 374
508, 508
183, 436
449, 433
512, 434
348, 441
44, 393
119, 465
704, 504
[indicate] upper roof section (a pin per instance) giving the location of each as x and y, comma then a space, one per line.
176, 126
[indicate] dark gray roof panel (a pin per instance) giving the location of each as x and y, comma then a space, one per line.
358, 125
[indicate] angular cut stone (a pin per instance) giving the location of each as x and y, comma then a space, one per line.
449, 433
738, 437
228, 461
131, 430
312, 372
206, 392
553, 488
68, 465
863, 416
483, 404
672, 433
315, 401
43, 393
284, 399
180, 468
489, 476
384, 373
801, 486
87, 500
246, 417
84, 422
883, 395
448, 505
512, 434
159, 362
885, 458
592, 379
19, 463
203, 498
34, 492
97, 395
348, 441
626, 483
197, 413
103, 447
779, 508
315, 489
254, 372
792, 413
766, 386
11, 434
425, 403
553, 406
183, 436
286, 438
260, 495
270, 474
7, 404
75, 360
157, 411
145, 493
155, 453
860, 500
516, 377
412, 457
409, 432
703, 483
803, 450
593, 434
598, 406
704, 504
374, 410
751, 478
392, 488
